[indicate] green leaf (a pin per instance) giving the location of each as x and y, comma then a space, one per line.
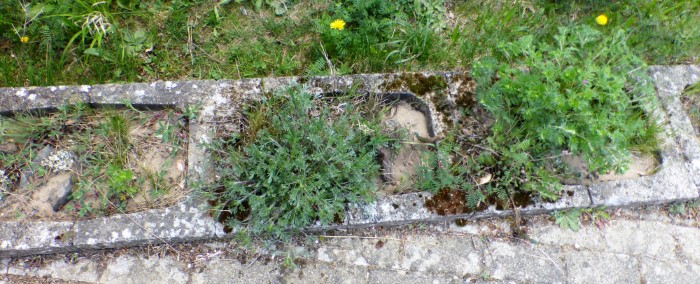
568, 219
93, 51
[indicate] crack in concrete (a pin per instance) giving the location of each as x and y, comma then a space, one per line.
590, 196
72, 238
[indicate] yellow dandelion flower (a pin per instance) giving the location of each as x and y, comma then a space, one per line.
24, 39
602, 19
338, 25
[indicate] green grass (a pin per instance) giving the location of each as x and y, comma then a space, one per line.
168, 40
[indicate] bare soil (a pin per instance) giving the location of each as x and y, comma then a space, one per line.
642, 165
400, 166
159, 173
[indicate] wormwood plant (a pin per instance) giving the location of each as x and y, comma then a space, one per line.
580, 93
303, 164
585, 93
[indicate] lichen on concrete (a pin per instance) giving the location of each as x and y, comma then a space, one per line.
174, 224
670, 82
32, 98
26, 238
221, 100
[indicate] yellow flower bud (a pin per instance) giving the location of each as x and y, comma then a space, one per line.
24, 39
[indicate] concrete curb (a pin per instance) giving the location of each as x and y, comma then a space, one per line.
218, 101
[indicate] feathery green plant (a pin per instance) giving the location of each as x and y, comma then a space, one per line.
581, 92
302, 166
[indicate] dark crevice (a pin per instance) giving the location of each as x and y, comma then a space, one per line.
590, 196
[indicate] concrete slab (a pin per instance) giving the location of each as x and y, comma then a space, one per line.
659, 271
232, 271
422, 253
392, 276
670, 82
523, 262
672, 183
459, 256
319, 273
634, 238
686, 242
407, 208
82, 270
183, 222
23, 238
602, 267
377, 253
434, 254
134, 269
27, 98
179, 93
587, 238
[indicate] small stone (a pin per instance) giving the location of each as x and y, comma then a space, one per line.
40, 156
55, 192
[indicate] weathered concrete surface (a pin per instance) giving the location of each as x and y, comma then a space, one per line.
26, 98
25, 238
181, 223
180, 93
673, 182
634, 247
175, 224
408, 208
219, 104
670, 82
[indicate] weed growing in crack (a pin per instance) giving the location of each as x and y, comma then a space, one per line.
568, 219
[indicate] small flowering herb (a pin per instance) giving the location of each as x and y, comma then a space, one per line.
602, 19
24, 39
338, 25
